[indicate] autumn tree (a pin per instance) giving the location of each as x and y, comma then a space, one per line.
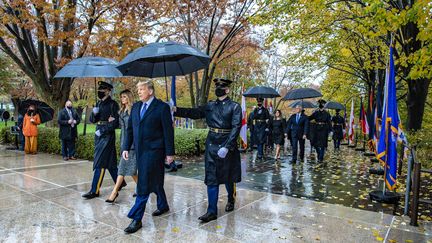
42, 36
216, 27
353, 37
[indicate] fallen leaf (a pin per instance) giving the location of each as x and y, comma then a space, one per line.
218, 227
176, 229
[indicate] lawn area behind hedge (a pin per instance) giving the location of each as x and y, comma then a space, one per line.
48, 141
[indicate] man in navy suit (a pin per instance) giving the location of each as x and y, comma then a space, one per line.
297, 127
152, 134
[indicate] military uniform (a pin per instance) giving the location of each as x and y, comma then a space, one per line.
322, 128
105, 156
260, 123
223, 118
338, 127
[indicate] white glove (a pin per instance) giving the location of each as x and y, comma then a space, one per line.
222, 152
95, 110
267, 130
98, 133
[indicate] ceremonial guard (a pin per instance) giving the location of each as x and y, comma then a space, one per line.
222, 157
338, 128
260, 121
322, 129
106, 117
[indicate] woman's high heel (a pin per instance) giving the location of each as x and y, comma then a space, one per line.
112, 201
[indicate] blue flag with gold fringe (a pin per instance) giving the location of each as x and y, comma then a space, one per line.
387, 146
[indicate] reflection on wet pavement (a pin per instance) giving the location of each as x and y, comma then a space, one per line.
40, 201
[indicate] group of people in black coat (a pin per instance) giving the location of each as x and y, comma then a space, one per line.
299, 127
147, 139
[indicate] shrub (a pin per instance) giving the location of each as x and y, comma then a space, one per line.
49, 142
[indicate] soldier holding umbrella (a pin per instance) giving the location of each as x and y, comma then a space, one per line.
261, 116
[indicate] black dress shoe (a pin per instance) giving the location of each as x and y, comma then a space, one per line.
112, 201
90, 195
229, 207
133, 227
122, 185
160, 212
208, 217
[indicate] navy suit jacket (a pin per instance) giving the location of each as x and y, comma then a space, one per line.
153, 139
297, 129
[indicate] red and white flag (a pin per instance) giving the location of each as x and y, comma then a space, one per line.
351, 124
243, 129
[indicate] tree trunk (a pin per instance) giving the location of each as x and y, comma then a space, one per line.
416, 99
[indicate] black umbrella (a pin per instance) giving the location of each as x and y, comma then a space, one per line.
261, 92
302, 93
305, 104
90, 67
334, 105
45, 112
163, 59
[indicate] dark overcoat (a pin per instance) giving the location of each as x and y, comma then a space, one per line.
260, 120
153, 140
105, 155
225, 114
338, 127
297, 128
66, 131
322, 128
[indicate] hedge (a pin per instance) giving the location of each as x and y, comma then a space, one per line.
48, 141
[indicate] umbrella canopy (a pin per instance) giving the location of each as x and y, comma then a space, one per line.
261, 92
302, 93
305, 104
163, 59
334, 105
90, 67
45, 112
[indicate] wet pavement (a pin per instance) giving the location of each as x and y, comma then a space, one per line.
40, 201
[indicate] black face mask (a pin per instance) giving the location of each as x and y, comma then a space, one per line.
30, 112
220, 92
101, 94
259, 104
69, 107
321, 106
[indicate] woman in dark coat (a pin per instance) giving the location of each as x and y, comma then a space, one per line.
277, 126
338, 127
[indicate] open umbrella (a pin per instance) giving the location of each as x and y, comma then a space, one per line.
90, 67
163, 59
334, 105
302, 93
261, 92
45, 112
305, 104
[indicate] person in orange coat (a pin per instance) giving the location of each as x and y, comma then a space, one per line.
30, 131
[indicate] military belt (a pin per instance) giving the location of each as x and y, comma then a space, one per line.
321, 123
219, 130
258, 120
102, 123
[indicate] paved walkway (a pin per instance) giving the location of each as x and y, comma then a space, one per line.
40, 201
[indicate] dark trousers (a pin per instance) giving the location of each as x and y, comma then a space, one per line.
213, 196
336, 143
138, 209
68, 147
98, 178
294, 143
320, 152
260, 148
